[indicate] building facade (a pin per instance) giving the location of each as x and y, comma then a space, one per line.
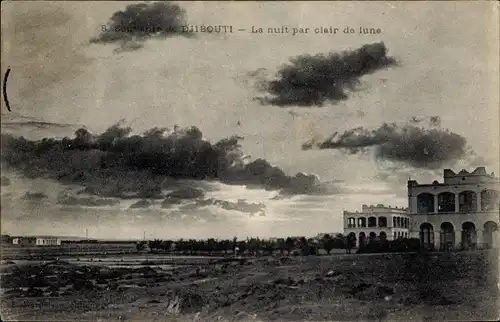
460, 212
377, 222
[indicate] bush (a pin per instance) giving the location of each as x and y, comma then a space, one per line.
397, 246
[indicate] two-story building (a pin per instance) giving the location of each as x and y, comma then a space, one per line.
461, 211
378, 221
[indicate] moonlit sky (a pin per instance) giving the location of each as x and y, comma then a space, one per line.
449, 68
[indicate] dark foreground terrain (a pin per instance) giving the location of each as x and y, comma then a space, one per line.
461, 286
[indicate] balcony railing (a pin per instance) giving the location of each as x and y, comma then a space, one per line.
457, 212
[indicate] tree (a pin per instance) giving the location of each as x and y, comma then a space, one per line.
268, 246
290, 244
166, 245
211, 245
141, 245
281, 245
242, 246
226, 245
155, 244
328, 243
253, 245
350, 242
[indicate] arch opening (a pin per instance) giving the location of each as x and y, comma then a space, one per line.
372, 237
447, 235
362, 222
425, 203
469, 235
427, 235
362, 239
352, 239
490, 229
467, 201
446, 202
372, 222
382, 221
489, 200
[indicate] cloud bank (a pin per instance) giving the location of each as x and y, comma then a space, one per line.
408, 144
34, 196
139, 22
312, 80
69, 200
118, 164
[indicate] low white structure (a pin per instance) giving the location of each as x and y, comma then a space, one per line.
375, 222
36, 241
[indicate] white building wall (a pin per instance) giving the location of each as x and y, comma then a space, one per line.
48, 241
377, 212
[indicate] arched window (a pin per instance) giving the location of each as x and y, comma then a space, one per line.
467, 201
372, 237
446, 202
351, 222
382, 221
372, 222
362, 222
489, 200
425, 203
447, 235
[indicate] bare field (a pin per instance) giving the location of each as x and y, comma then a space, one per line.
455, 286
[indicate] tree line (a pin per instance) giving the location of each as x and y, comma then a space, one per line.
285, 246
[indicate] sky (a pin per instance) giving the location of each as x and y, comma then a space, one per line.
420, 96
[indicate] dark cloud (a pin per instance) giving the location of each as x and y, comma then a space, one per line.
186, 193
85, 201
312, 80
406, 144
177, 196
138, 22
118, 164
5, 181
144, 203
433, 121
34, 196
241, 205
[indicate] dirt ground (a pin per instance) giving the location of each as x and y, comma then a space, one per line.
407, 287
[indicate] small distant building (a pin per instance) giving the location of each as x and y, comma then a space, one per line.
36, 241
24, 241
377, 222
